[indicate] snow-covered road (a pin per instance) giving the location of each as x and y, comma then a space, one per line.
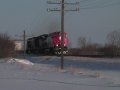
43, 73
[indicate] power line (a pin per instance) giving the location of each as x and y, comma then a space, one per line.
99, 4
103, 6
84, 1
93, 3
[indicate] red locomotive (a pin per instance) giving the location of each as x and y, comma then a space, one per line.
47, 43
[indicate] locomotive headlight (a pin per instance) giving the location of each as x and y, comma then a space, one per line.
56, 45
59, 37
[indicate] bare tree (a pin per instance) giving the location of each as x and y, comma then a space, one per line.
6, 46
113, 40
87, 45
82, 42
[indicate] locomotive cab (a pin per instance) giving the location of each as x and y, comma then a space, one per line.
56, 40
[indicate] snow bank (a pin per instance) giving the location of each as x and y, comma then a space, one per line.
45, 74
22, 62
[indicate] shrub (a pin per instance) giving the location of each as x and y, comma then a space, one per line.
6, 46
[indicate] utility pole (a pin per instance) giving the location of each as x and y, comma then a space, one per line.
62, 34
62, 2
24, 42
24, 38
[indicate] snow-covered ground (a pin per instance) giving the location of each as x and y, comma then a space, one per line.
44, 73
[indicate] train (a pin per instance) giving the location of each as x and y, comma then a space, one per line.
47, 43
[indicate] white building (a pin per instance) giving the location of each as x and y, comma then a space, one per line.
18, 45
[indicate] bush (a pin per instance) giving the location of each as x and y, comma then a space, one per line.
110, 50
6, 46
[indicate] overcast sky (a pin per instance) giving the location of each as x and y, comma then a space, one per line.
94, 21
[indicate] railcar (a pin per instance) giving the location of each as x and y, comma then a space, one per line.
50, 43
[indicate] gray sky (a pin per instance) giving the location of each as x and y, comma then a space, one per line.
94, 21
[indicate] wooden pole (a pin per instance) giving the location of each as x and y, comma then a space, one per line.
24, 34
62, 34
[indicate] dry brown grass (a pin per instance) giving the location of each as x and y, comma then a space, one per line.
6, 46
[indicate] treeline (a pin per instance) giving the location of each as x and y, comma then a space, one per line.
6, 46
111, 48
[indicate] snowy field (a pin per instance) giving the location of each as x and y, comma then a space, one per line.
44, 73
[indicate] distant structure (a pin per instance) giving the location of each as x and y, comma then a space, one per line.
19, 46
